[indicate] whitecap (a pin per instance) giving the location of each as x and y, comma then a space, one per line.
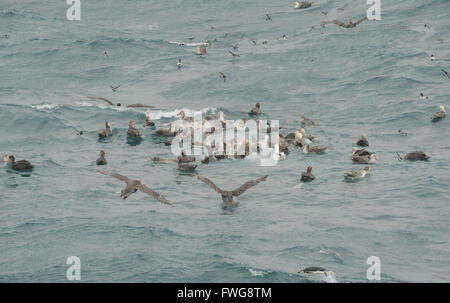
45, 106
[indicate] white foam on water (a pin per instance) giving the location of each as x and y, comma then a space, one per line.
45, 106
256, 273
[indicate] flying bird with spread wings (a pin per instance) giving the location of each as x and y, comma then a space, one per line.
350, 24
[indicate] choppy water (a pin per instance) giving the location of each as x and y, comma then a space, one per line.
348, 81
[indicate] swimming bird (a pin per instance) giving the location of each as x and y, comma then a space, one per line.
222, 75
133, 131
227, 196
179, 64
166, 132
160, 160
21, 165
284, 37
402, 132
114, 88
313, 270
185, 158
133, 186
256, 110
236, 46
366, 159
432, 57
102, 159
79, 132
185, 167
313, 149
233, 54
439, 115
360, 152
308, 175
302, 5
201, 50
106, 53
342, 24
107, 132
208, 159
422, 96
363, 141
106, 100
148, 122
415, 156
306, 121
352, 175
445, 73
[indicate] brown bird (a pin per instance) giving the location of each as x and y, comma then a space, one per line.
306, 121
439, 115
201, 50
227, 196
308, 175
302, 5
342, 24
415, 156
352, 175
222, 75
313, 149
185, 167
102, 159
363, 141
107, 132
135, 185
21, 165
148, 122
256, 110
133, 131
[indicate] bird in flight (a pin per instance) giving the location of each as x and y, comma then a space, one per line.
227, 196
222, 75
350, 24
233, 54
445, 73
135, 185
268, 17
114, 88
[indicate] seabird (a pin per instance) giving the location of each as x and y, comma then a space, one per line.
342, 24
352, 175
201, 50
415, 156
21, 165
256, 110
308, 175
160, 160
208, 159
236, 46
233, 54
165, 132
104, 99
185, 158
227, 196
107, 132
102, 159
114, 88
313, 149
306, 121
432, 57
313, 270
268, 17
284, 37
304, 4
106, 53
360, 152
222, 75
135, 185
148, 122
439, 115
182, 116
140, 105
133, 131
366, 159
423, 97
363, 141
445, 73
185, 167
79, 132
402, 132
179, 64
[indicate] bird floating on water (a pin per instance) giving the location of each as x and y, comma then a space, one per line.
133, 131
313, 149
148, 122
306, 121
256, 110
439, 115
179, 64
135, 185
201, 50
21, 165
363, 141
302, 5
181, 166
308, 175
79, 132
423, 97
432, 57
365, 159
107, 132
353, 175
414, 156
101, 160
227, 196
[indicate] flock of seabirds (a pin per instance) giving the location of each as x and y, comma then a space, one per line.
185, 163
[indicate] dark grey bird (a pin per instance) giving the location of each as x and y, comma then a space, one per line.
363, 141
101, 160
185, 167
256, 110
364, 159
222, 75
114, 88
313, 270
148, 122
105, 100
308, 175
160, 160
227, 196
21, 165
79, 132
415, 156
313, 149
268, 18
360, 152
133, 131
165, 133
107, 132
306, 121
345, 25
437, 116
233, 54
135, 185
352, 175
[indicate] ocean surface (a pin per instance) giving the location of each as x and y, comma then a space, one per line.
349, 81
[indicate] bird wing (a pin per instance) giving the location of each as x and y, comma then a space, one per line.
361, 20
102, 99
239, 191
117, 176
445, 73
140, 105
233, 54
352, 174
340, 23
154, 194
209, 182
